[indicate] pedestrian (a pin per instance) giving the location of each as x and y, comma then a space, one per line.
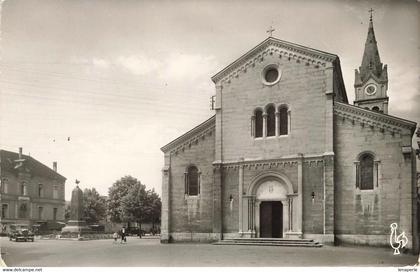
115, 236
123, 235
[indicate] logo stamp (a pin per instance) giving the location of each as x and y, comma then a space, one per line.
397, 241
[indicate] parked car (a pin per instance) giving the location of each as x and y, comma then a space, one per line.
21, 232
134, 231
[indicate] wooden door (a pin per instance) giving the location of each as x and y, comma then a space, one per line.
265, 219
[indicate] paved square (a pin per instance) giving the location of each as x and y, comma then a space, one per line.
149, 252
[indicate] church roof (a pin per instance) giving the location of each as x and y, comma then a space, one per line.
191, 136
371, 62
289, 49
7, 162
374, 118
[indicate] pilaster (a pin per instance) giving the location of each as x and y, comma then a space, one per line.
240, 195
299, 215
217, 201
166, 209
329, 197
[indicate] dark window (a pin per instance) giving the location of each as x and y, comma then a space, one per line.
375, 108
366, 172
258, 123
23, 209
284, 120
271, 121
4, 211
40, 190
192, 181
55, 214
271, 75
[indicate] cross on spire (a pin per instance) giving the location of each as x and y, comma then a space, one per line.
77, 182
371, 11
271, 30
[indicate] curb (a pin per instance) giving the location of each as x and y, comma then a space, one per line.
2, 263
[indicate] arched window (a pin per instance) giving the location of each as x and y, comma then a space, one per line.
271, 121
375, 108
192, 181
283, 120
258, 123
365, 172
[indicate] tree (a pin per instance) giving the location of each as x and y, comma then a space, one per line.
129, 201
154, 207
116, 193
94, 206
134, 204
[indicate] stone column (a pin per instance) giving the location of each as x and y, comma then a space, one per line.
299, 199
253, 126
277, 123
264, 124
240, 194
251, 215
290, 210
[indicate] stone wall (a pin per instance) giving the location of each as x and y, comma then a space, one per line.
313, 207
362, 213
191, 215
301, 87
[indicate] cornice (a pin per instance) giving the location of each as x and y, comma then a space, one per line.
373, 119
271, 46
372, 99
191, 137
312, 161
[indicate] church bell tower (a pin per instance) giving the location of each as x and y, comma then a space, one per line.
371, 79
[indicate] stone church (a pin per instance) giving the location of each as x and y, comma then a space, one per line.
287, 156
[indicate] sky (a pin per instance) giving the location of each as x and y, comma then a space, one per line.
100, 86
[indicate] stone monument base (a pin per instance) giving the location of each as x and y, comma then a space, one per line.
75, 229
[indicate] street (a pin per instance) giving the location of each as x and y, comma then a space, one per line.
149, 252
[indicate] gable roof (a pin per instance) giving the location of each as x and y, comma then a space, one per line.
191, 135
290, 49
7, 162
373, 118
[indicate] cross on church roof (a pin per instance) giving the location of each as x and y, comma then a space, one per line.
371, 11
271, 30
77, 182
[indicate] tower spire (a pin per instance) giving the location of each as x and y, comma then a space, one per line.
371, 79
371, 62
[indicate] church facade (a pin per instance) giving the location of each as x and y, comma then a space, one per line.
287, 156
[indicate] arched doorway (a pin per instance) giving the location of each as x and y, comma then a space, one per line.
270, 214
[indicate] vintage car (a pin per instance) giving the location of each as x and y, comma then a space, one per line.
20, 232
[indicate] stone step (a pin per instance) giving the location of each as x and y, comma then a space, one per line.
272, 240
271, 244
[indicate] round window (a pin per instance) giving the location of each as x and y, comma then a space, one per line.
271, 75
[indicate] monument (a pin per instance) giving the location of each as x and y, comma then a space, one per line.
76, 226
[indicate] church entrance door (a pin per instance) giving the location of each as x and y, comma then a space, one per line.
271, 219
